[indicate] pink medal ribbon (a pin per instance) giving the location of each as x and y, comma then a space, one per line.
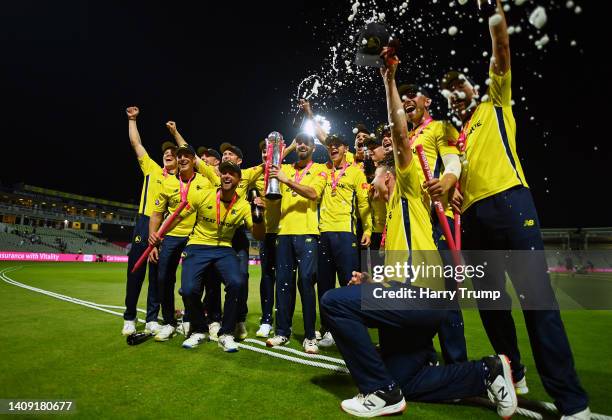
421, 128
335, 180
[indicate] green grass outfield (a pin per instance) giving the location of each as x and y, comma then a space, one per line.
51, 349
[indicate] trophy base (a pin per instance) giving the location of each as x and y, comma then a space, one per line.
273, 196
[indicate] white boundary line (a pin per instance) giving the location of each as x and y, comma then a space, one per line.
341, 369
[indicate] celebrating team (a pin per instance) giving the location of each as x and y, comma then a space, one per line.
377, 197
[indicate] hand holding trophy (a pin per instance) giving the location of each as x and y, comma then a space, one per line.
274, 152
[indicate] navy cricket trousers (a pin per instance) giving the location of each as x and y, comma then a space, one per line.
405, 341
135, 280
338, 255
169, 257
451, 333
196, 259
296, 251
509, 221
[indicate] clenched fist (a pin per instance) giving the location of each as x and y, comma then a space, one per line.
132, 112
171, 126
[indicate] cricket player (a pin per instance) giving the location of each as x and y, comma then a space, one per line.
220, 212
297, 240
344, 198
401, 368
186, 185
438, 140
267, 251
499, 214
153, 178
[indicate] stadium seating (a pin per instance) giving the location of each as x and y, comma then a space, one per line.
46, 239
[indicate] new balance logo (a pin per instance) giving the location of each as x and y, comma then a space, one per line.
369, 404
502, 393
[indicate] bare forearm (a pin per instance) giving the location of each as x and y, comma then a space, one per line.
135, 140
155, 221
303, 190
500, 42
179, 139
399, 125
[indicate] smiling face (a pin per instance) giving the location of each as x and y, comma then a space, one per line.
304, 149
376, 152
415, 105
360, 139
231, 156
211, 160
336, 151
186, 163
229, 180
169, 159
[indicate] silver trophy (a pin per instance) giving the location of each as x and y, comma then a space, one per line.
274, 147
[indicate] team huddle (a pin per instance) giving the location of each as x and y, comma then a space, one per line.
377, 198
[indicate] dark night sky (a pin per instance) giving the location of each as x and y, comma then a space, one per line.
227, 73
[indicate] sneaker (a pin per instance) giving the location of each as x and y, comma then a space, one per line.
317, 335
227, 343
166, 333
581, 415
194, 340
379, 403
183, 328
521, 387
152, 327
277, 340
240, 332
264, 330
129, 328
213, 329
310, 346
327, 340
500, 387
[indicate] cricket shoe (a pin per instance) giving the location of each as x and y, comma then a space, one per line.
310, 346
500, 387
213, 330
129, 328
318, 335
327, 340
183, 328
277, 340
152, 327
194, 340
227, 343
166, 333
240, 332
521, 387
264, 330
379, 403
581, 415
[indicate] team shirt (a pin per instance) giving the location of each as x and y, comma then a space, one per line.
379, 214
153, 178
248, 180
299, 215
409, 227
337, 209
169, 199
350, 158
438, 139
206, 230
492, 165
273, 208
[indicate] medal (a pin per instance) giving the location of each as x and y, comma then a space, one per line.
293, 193
335, 180
298, 178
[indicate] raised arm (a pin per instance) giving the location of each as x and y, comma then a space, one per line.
319, 132
171, 126
132, 113
500, 64
397, 115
